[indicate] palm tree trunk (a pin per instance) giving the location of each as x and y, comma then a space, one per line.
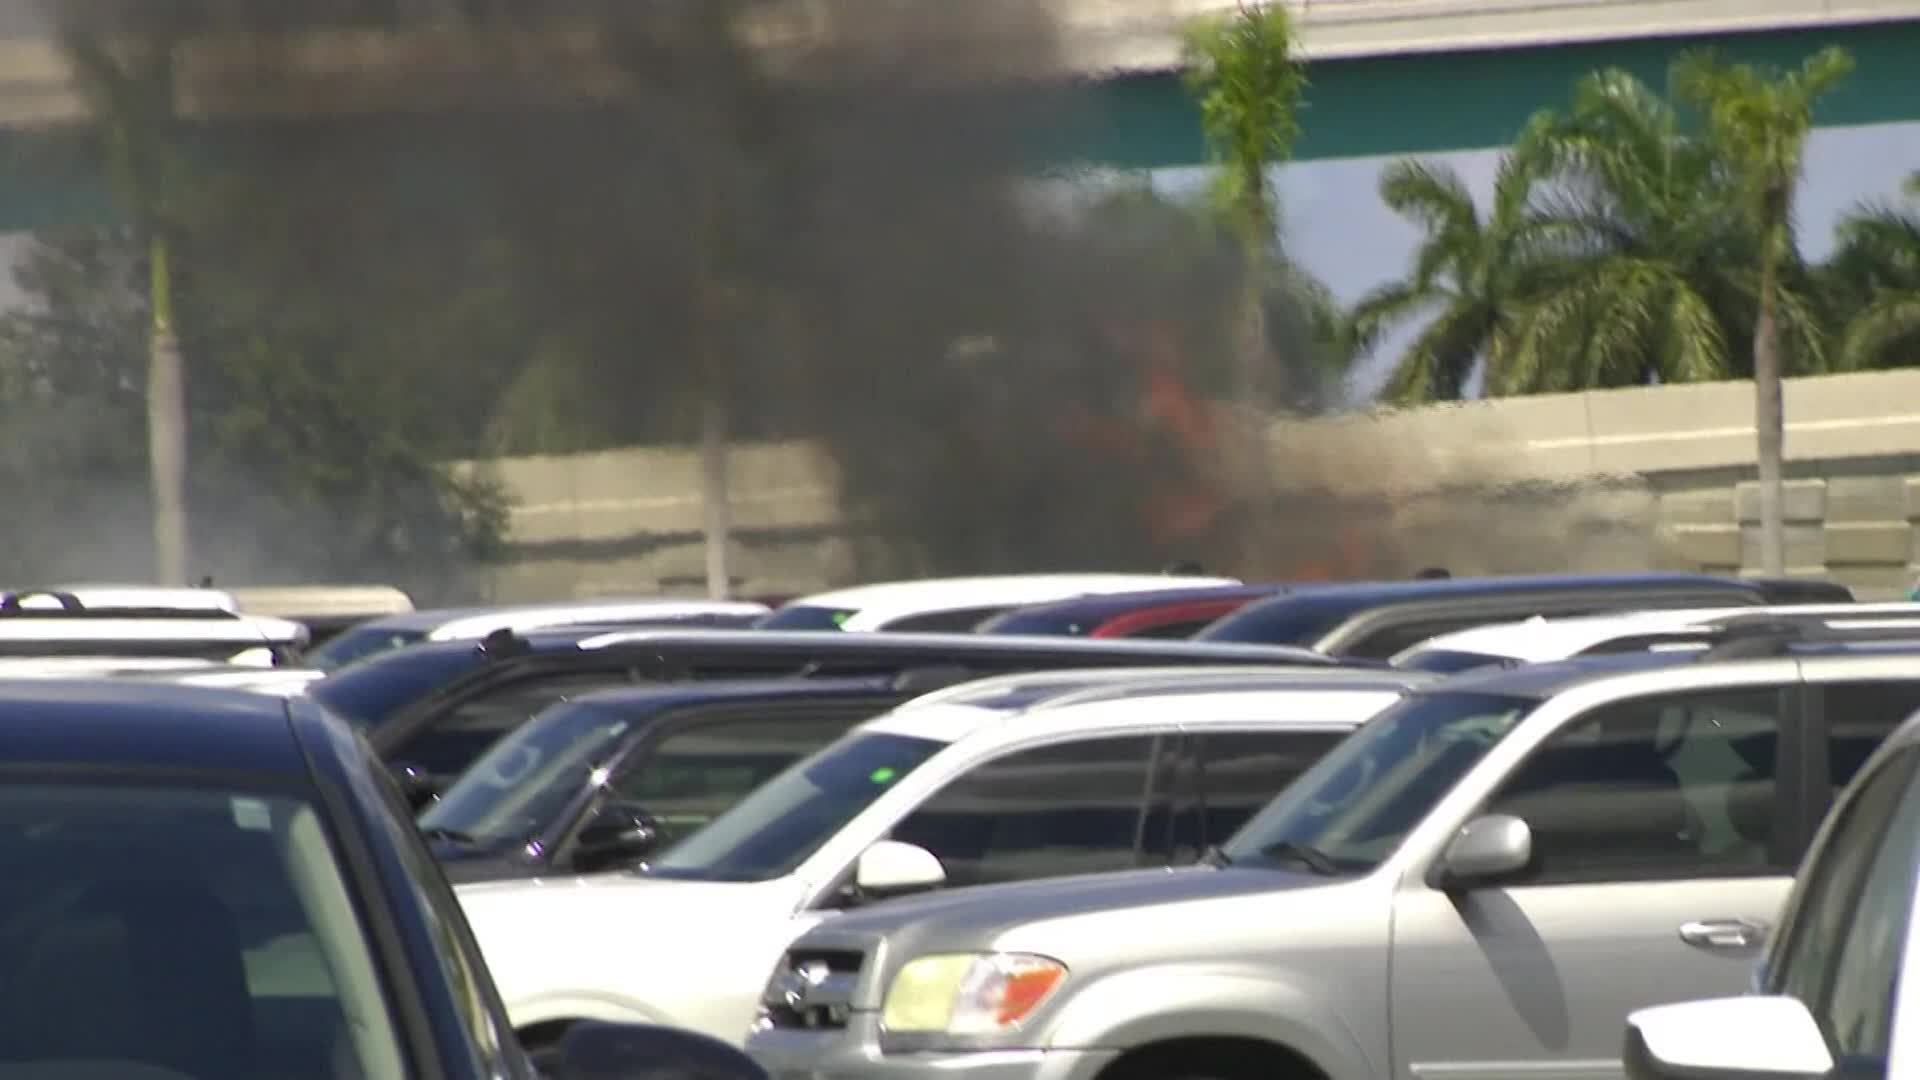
1252, 363
715, 499
1769, 417
166, 422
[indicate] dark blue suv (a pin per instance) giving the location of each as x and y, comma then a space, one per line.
209, 884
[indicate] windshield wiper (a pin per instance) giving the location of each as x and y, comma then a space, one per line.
1310, 857
1216, 856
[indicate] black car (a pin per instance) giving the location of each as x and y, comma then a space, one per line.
434, 738
1376, 620
218, 885
602, 780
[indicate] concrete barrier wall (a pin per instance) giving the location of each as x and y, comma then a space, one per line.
1619, 479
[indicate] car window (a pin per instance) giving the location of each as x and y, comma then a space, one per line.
784, 821
452, 943
1230, 775
695, 773
456, 739
1394, 639
959, 621
1068, 808
1670, 786
203, 930
1860, 716
1842, 950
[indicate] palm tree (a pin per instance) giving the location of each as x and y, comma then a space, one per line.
1473, 275
132, 101
1249, 83
1758, 124
1874, 279
1636, 211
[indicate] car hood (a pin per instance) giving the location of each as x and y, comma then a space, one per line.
985, 910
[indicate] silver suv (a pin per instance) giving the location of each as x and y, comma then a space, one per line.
1481, 883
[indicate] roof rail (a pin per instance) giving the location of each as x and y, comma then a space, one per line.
1767, 634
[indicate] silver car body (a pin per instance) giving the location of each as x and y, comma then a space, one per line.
1379, 975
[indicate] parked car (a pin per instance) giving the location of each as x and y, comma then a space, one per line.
1829, 998
1540, 639
54, 623
600, 781
435, 737
325, 610
1379, 619
129, 601
1023, 779
244, 897
1161, 613
472, 624
956, 604
1486, 878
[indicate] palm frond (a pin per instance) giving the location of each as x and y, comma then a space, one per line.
1885, 334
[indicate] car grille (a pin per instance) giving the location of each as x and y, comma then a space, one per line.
812, 989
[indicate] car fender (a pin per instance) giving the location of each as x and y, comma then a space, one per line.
1153, 1004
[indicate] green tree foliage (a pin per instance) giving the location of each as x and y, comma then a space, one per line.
1630, 240
1757, 123
1872, 284
1473, 276
1243, 71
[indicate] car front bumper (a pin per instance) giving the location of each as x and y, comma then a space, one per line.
853, 1053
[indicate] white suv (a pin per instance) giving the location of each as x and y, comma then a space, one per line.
1829, 999
1008, 779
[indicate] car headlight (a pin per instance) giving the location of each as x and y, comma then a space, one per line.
969, 993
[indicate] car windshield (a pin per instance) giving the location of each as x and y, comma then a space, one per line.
208, 930
525, 781
787, 819
1355, 806
358, 644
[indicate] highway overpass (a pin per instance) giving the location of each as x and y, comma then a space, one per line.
1390, 77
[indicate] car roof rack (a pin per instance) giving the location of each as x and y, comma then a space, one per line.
19, 604
1767, 634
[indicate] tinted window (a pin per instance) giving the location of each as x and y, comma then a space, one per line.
456, 739
1860, 716
1231, 775
448, 936
1662, 787
961, 621
1850, 927
695, 773
367, 693
1070, 808
785, 820
523, 783
203, 931
1450, 661
806, 617
1391, 640
358, 644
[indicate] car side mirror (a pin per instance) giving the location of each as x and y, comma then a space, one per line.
1486, 850
620, 832
594, 1050
890, 868
420, 787
1739, 1038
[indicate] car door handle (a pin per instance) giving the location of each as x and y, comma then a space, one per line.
1724, 933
